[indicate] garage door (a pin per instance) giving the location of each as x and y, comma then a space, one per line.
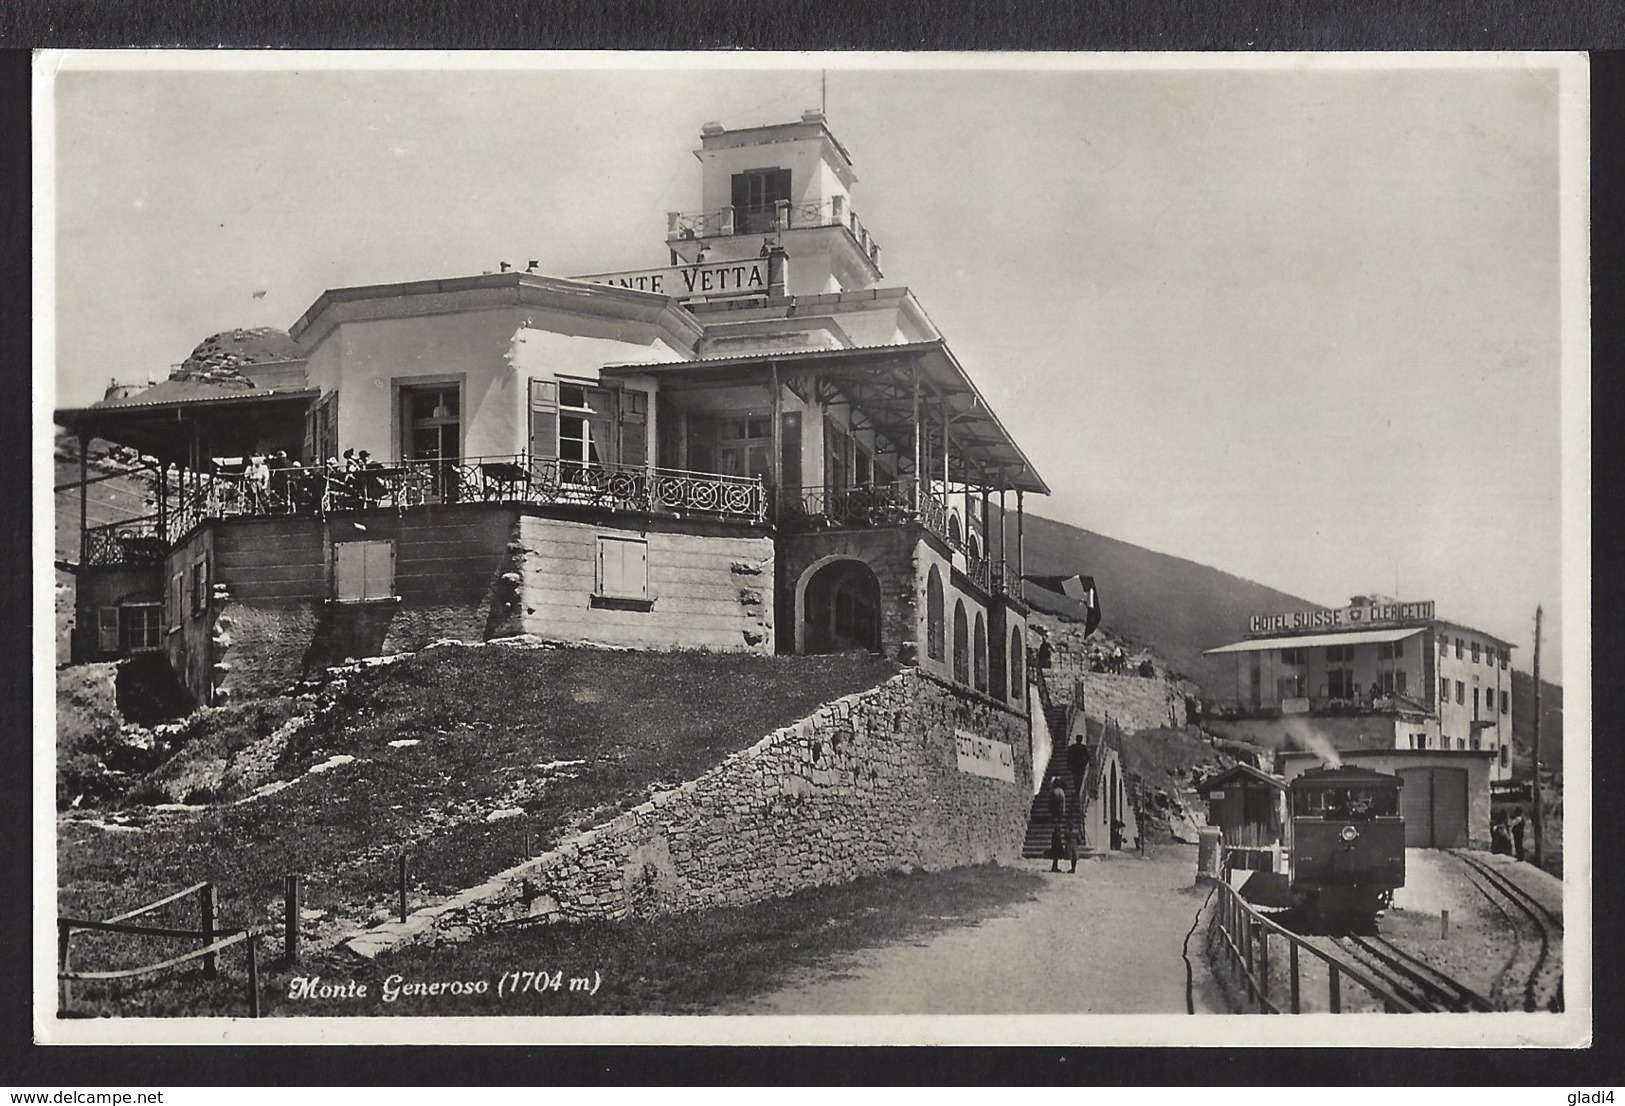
1433, 803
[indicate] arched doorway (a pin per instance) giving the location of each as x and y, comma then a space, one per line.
840, 609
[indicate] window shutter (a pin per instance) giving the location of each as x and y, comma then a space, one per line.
379, 569
349, 571
635, 569
313, 416
741, 191
107, 629
544, 420
329, 446
781, 185
634, 429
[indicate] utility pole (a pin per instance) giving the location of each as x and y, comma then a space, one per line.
1539, 819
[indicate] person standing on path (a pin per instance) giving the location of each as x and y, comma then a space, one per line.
1057, 837
1517, 833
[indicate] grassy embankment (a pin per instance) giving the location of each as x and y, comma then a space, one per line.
548, 739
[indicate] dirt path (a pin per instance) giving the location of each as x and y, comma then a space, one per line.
1106, 940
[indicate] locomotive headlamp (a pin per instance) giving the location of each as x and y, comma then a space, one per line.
1349, 833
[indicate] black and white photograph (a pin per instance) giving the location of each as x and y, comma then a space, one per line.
849, 548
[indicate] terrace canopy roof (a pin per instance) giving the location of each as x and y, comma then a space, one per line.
179, 421
880, 382
1314, 641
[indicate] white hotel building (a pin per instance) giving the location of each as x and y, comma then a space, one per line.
1375, 674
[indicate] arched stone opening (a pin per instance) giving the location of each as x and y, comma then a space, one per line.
839, 606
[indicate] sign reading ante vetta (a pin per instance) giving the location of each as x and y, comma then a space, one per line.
712, 278
1355, 616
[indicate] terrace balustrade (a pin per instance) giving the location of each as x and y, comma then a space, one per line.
520, 480
768, 218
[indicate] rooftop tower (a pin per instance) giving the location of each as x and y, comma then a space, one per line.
789, 185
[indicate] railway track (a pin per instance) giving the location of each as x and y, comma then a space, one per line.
1536, 932
1413, 978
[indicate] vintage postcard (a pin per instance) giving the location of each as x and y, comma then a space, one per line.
863, 548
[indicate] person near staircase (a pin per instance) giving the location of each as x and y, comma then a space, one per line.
1077, 761
1058, 836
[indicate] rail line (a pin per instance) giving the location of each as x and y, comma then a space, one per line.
1427, 986
1498, 888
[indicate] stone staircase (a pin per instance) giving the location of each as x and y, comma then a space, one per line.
1040, 822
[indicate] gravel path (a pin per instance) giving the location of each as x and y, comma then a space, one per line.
1107, 940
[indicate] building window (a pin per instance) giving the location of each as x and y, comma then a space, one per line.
1506, 755
363, 570
1340, 683
1291, 687
1444, 644
141, 626
1505, 701
1444, 690
1390, 650
1291, 656
1339, 654
745, 447
1475, 704
1458, 649
961, 643
1392, 682
623, 568
1018, 687
1475, 652
1489, 700
1461, 744
200, 585
1506, 657
979, 654
586, 428
756, 194
431, 422
933, 615
1461, 693
107, 634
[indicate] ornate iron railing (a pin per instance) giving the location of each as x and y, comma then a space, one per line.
979, 571
893, 504
136, 541
768, 218
513, 479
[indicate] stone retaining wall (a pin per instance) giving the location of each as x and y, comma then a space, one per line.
1133, 702
872, 782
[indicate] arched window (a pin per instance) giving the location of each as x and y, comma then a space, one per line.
979, 655
1018, 689
933, 615
953, 530
972, 546
961, 643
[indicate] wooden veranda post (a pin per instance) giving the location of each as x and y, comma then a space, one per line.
919, 444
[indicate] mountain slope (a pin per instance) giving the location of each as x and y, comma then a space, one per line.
1176, 607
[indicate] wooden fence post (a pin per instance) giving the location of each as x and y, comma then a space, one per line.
64, 935
207, 907
403, 885
1292, 965
253, 975
1335, 989
290, 918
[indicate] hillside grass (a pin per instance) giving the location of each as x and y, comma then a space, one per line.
689, 963
560, 738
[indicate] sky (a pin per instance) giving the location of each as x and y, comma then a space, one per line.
1301, 324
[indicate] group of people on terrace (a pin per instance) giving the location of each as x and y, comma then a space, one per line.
274, 481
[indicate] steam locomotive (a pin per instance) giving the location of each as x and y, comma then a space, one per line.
1348, 845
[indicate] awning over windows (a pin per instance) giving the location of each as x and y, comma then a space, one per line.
1315, 641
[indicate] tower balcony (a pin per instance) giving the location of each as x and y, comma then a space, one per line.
772, 218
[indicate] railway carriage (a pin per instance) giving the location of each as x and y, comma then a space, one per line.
1348, 843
